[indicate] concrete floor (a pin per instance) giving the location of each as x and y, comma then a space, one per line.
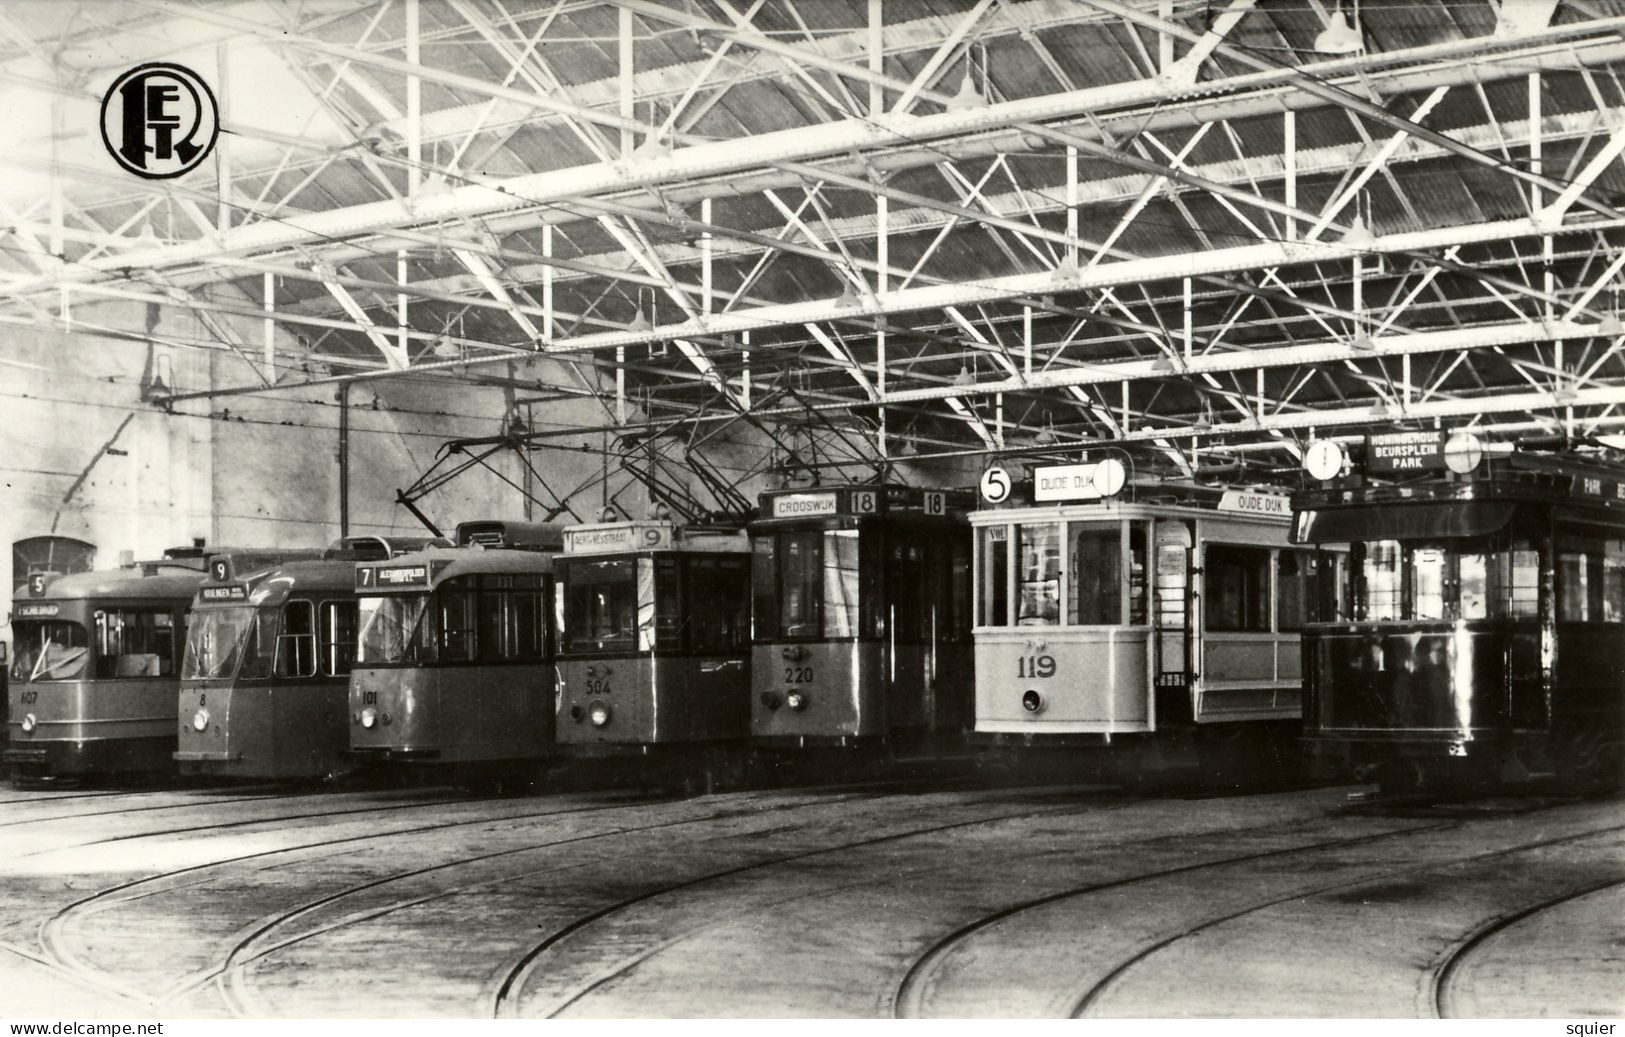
863, 900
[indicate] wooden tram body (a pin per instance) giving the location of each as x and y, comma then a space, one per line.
654, 634
1478, 635
265, 681
455, 658
1127, 617
861, 615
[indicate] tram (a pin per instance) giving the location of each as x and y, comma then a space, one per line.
1163, 616
654, 635
861, 610
1477, 634
454, 664
265, 677
96, 667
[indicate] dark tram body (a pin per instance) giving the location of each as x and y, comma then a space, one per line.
455, 659
861, 615
1479, 626
654, 634
265, 679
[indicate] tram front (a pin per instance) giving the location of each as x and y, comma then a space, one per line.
861, 614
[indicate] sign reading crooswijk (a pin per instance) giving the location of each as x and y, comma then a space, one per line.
798, 505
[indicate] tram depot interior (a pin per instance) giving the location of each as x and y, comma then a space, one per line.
813, 508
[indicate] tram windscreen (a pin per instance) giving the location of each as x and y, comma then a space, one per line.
48, 651
392, 630
1489, 577
811, 584
600, 605
136, 642
223, 643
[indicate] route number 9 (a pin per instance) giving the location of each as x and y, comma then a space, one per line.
1035, 666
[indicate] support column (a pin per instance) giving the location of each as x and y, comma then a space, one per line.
268, 327
344, 458
628, 142
877, 57
414, 106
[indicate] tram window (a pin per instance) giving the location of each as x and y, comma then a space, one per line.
338, 637
800, 583
1473, 573
53, 651
1137, 569
959, 615
905, 585
668, 616
528, 618
1582, 590
1096, 595
1038, 553
1296, 573
600, 605
1613, 582
764, 587
1171, 580
135, 643
296, 645
1381, 570
1520, 582
1427, 577
457, 620
717, 605
1238, 588
843, 599
993, 542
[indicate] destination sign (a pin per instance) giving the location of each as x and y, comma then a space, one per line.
803, 505
1250, 502
621, 536
390, 577
236, 592
35, 610
1078, 481
1597, 486
1405, 451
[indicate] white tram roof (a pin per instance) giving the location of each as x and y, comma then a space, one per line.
636, 536
1235, 504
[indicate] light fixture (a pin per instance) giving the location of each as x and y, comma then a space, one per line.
1611, 326
1565, 394
1339, 36
964, 377
1358, 236
968, 96
1046, 435
1363, 342
148, 238
1167, 363
446, 349
639, 324
848, 299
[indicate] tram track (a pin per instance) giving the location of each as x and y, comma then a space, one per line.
1098, 990
1444, 975
509, 989
51, 931
138, 810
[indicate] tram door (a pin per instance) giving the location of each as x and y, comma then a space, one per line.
1173, 631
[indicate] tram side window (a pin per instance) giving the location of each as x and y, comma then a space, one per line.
338, 637
600, 610
843, 589
959, 615
1428, 575
1038, 554
457, 620
993, 543
296, 645
48, 651
717, 618
136, 643
764, 587
1137, 569
1296, 573
1381, 570
1519, 572
1096, 575
510, 620
668, 616
800, 581
905, 584
1613, 582
1585, 592
1238, 588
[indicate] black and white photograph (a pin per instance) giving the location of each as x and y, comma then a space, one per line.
811, 509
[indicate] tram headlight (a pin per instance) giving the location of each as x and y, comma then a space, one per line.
599, 713
369, 718
1032, 702
796, 701
29, 723
200, 721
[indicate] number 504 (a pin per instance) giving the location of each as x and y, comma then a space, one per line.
1035, 666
